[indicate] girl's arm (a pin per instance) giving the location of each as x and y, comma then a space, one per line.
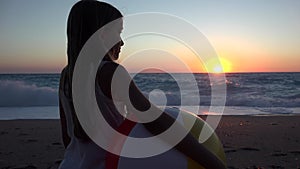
63, 122
188, 145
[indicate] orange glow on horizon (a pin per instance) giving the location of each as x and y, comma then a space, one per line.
218, 65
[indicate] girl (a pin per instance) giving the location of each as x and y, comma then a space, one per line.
85, 18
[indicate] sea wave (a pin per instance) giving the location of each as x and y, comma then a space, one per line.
243, 90
16, 93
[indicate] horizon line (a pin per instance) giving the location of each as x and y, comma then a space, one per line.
8, 73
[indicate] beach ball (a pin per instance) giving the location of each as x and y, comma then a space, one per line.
172, 158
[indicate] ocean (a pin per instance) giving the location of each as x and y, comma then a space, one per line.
35, 96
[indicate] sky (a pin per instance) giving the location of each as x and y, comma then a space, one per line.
248, 36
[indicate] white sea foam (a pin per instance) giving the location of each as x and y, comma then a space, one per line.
35, 95
19, 94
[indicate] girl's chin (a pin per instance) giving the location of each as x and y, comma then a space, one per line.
115, 57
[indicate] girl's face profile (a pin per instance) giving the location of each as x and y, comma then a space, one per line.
116, 33
115, 51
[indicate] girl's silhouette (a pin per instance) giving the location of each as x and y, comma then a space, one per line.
85, 18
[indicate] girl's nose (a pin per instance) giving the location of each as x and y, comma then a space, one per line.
121, 43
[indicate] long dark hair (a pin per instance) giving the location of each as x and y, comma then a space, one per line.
85, 18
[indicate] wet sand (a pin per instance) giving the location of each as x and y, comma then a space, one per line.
249, 142
261, 142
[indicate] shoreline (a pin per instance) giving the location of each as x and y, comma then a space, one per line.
51, 112
200, 115
249, 142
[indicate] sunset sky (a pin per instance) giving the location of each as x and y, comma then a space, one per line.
248, 36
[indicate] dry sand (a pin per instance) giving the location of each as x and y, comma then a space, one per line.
249, 142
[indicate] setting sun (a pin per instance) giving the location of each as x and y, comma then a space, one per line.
218, 69
218, 65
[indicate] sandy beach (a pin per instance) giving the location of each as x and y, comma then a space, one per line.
249, 142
